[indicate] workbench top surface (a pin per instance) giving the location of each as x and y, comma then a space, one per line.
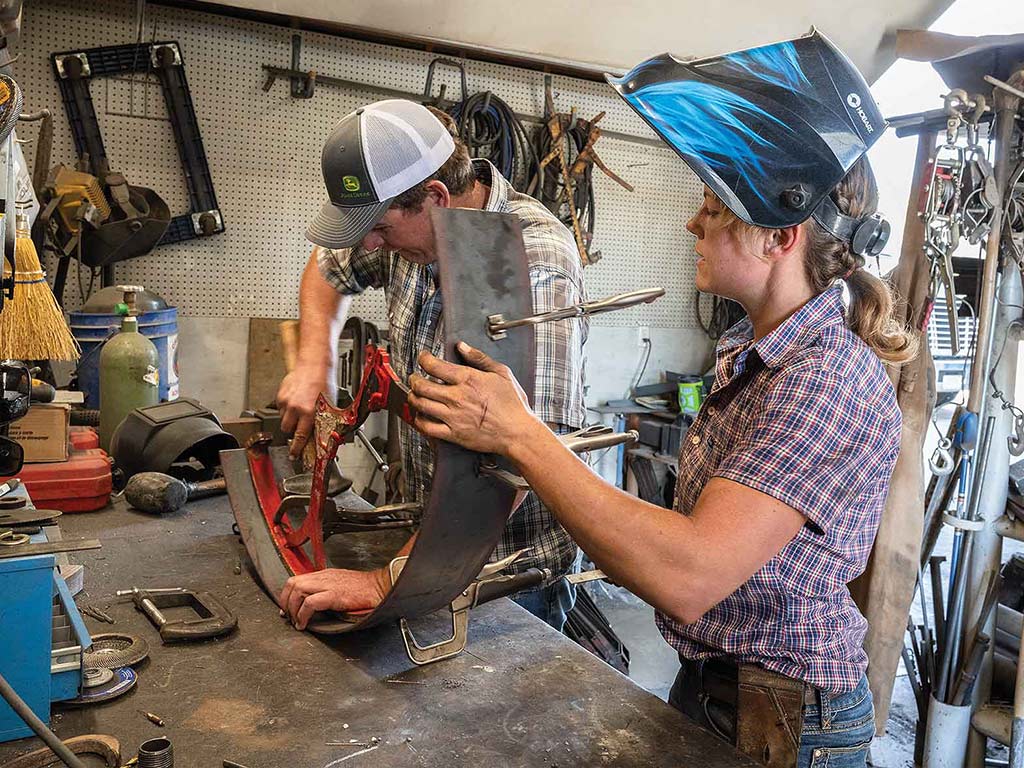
267, 696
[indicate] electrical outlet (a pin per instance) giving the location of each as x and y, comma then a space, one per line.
642, 332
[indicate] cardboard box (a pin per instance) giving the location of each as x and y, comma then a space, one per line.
43, 432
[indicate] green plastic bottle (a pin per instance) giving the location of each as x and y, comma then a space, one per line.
129, 370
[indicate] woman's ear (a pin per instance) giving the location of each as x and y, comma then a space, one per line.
780, 243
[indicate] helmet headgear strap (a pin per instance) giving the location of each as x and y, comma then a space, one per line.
866, 236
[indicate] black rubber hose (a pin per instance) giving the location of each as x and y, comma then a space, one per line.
490, 129
38, 726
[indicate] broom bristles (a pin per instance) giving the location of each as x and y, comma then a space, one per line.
32, 326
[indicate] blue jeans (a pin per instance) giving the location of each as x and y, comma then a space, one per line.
837, 730
550, 604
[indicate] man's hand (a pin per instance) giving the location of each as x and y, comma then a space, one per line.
333, 589
481, 408
296, 399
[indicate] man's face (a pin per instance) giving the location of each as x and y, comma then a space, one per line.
409, 232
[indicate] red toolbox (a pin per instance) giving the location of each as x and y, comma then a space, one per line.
83, 438
81, 484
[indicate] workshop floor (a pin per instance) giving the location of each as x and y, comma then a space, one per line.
653, 663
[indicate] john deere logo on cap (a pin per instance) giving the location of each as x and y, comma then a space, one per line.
351, 183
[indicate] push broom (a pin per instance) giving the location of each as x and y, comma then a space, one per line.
32, 326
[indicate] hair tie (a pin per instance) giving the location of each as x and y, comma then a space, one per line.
849, 273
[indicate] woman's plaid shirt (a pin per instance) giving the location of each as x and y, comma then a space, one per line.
808, 416
415, 322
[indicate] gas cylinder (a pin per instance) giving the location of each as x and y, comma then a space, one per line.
129, 370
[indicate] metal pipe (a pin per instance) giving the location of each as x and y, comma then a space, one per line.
935, 569
969, 672
956, 610
156, 753
1005, 86
1017, 726
380, 461
946, 735
955, 627
498, 324
992, 492
926, 629
963, 545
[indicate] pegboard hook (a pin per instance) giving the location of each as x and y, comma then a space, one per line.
428, 89
302, 85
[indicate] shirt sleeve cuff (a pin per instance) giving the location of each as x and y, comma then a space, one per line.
336, 270
819, 517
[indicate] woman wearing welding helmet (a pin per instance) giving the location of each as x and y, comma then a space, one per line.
784, 473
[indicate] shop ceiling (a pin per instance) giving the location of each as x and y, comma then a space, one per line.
586, 37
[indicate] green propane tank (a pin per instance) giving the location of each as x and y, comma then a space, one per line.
129, 370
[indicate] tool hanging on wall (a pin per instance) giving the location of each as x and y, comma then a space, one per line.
960, 197
92, 213
565, 176
489, 128
79, 220
74, 70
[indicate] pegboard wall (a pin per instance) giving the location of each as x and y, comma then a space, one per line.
264, 155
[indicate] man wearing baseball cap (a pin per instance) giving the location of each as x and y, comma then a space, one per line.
385, 166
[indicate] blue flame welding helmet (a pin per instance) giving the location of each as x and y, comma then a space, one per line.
771, 130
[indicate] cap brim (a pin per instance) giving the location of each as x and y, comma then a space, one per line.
344, 227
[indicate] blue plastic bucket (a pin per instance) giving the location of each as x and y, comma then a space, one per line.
92, 330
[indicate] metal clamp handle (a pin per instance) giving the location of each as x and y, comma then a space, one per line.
497, 325
380, 461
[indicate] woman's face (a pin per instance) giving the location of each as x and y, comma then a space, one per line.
726, 254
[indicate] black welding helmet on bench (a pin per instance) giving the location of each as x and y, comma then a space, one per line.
770, 130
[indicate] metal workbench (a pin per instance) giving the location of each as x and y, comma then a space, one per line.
268, 696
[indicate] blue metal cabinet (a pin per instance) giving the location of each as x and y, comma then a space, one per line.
26, 637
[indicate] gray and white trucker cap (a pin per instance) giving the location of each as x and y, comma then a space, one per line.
371, 156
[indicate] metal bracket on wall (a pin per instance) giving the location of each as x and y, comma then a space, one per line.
303, 84
74, 70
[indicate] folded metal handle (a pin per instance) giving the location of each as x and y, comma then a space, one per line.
588, 439
497, 325
503, 586
595, 437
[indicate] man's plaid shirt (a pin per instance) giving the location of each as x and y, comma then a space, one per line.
415, 322
808, 416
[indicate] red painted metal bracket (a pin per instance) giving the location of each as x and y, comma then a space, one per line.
380, 389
